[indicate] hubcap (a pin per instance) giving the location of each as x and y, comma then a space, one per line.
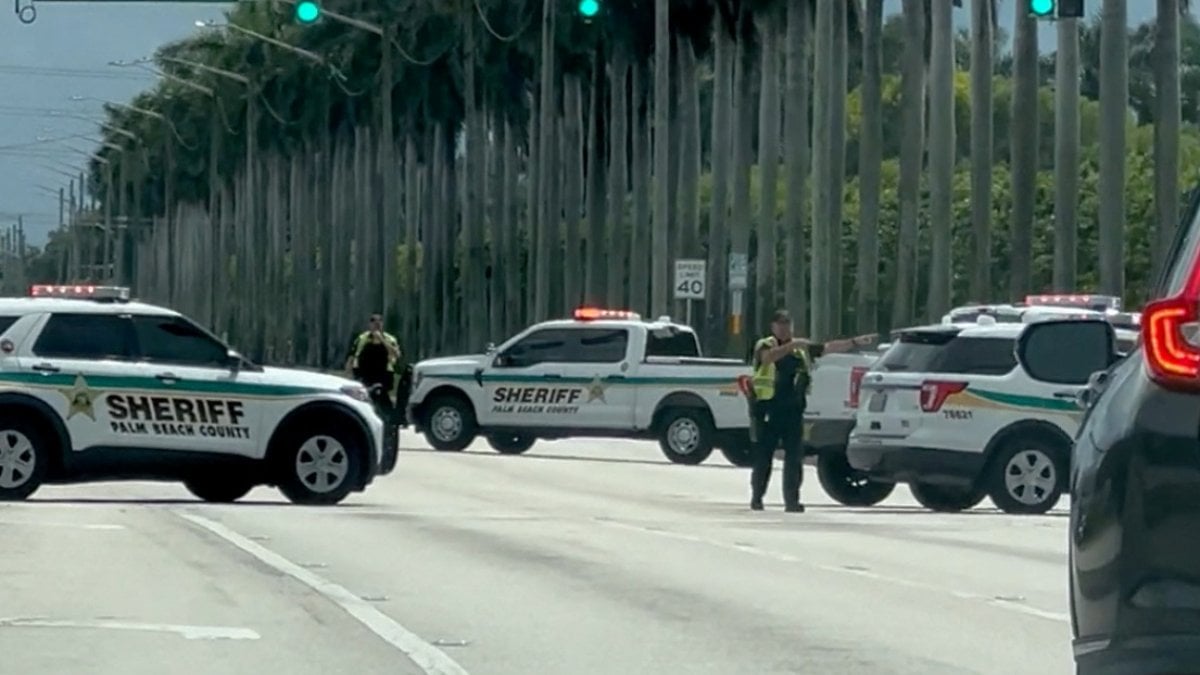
1030, 477
17, 459
322, 464
683, 436
447, 424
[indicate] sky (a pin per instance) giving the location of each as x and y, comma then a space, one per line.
64, 55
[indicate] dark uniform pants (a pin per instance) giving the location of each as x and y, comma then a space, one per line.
778, 425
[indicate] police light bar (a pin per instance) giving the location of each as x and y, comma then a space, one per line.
595, 313
1089, 301
80, 291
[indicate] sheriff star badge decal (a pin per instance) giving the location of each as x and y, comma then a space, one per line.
81, 399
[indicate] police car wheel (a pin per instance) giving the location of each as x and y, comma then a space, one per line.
218, 490
847, 485
739, 454
686, 435
24, 457
946, 498
320, 466
511, 443
450, 424
1027, 476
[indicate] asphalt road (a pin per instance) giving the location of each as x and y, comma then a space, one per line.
581, 558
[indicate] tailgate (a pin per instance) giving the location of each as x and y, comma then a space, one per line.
890, 405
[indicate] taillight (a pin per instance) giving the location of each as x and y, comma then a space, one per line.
935, 393
856, 378
1171, 359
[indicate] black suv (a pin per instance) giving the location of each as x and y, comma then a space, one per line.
1135, 483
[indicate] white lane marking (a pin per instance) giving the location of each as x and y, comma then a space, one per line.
187, 632
77, 526
430, 659
867, 574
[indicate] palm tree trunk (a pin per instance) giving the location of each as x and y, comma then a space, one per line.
822, 321
870, 158
718, 221
1023, 150
572, 201
837, 165
1066, 155
1166, 127
768, 162
618, 169
982, 47
743, 130
1114, 106
796, 136
659, 286
912, 146
639, 237
546, 223
941, 157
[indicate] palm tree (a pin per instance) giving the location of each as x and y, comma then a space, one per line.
1023, 144
1114, 111
912, 146
983, 20
941, 156
1166, 125
870, 157
1066, 154
796, 138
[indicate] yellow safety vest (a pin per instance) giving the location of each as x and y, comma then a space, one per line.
764, 373
365, 337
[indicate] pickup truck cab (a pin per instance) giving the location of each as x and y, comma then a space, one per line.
603, 373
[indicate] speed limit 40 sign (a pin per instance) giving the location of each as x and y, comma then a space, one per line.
691, 279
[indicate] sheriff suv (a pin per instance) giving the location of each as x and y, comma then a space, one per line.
954, 413
95, 387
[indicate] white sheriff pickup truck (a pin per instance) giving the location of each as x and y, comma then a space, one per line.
610, 374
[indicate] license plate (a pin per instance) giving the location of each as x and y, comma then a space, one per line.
877, 402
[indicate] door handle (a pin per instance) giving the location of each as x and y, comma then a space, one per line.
1066, 394
167, 378
46, 368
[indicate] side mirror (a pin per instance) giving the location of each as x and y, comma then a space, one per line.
233, 360
1067, 351
490, 348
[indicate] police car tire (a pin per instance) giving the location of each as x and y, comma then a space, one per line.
217, 490
703, 426
846, 485
466, 415
11, 430
511, 443
946, 498
1000, 462
740, 454
292, 485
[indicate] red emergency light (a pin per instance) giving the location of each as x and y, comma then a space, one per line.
79, 291
595, 314
1083, 300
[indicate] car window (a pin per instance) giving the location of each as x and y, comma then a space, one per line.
1068, 353
552, 345
976, 356
600, 345
85, 336
6, 322
915, 351
671, 342
172, 339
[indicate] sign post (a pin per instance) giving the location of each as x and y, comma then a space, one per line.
739, 273
691, 282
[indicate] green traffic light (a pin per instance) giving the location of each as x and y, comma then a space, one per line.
589, 8
307, 11
1041, 7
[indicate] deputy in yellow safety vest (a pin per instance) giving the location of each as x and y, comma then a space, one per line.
781, 380
374, 356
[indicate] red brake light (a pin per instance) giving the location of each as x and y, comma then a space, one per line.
595, 313
935, 393
856, 378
